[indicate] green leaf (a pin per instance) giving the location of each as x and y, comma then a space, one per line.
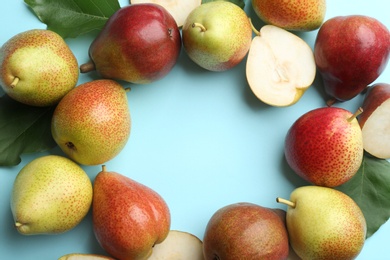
23, 129
240, 3
370, 188
73, 18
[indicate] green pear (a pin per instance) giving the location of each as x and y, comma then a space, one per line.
37, 67
51, 194
324, 223
92, 123
129, 218
217, 35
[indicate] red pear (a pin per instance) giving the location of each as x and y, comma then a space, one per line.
246, 231
324, 146
129, 218
140, 44
375, 121
350, 53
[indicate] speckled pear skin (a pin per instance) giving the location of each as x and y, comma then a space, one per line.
44, 64
324, 147
92, 123
325, 224
50, 195
129, 218
293, 15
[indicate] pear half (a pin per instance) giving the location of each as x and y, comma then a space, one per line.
177, 246
179, 9
280, 66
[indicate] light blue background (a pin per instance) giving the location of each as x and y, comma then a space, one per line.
201, 139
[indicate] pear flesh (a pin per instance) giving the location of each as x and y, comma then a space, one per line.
50, 195
324, 223
280, 66
178, 245
178, 9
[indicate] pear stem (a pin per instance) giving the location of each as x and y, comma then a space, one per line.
331, 102
18, 224
201, 26
358, 112
128, 89
253, 28
87, 67
104, 168
284, 201
14, 82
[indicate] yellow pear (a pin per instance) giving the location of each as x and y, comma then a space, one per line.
51, 194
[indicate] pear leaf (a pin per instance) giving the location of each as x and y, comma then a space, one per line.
73, 18
23, 129
370, 189
240, 3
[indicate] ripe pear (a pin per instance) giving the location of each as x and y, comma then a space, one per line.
217, 35
37, 67
92, 123
325, 146
245, 231
324, 223
351, 52
129, 218
294, 15
50, 195
139, 43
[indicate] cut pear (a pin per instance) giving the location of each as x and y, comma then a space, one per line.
177, 246
280, 66
177, 8
375, 130
77, 256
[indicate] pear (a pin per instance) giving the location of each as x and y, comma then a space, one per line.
139, 44
92, 123
50, 195
178, 245
324, 146
280, 66
217, 35
178, 9
246, 231
324, 223
129, 218
294, 15
37, 68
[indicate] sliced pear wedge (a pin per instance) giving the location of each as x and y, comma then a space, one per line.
280, 66
179, 9
178, 245
78, 256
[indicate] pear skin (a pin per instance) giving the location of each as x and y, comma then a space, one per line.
37, 67
92, 123
129, 218
50, 195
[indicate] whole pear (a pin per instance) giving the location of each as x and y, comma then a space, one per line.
217, 35
92, 123
245, 231
294, 15
129, 218
324, 223
325, 146
140, 43
50, 195
37, 67
351, 52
